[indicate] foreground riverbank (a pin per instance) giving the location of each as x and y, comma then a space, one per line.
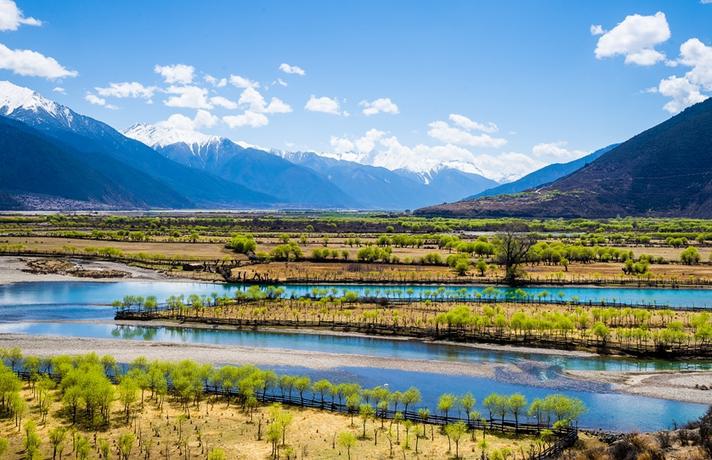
670, 385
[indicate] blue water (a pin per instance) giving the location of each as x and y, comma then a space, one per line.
85, 299
35, 308
340, 344
608, 411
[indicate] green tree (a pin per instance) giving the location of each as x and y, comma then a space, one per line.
347, 440
56, 439
454, 432
690, 256
126, 442
366, 412
242, 244
216, 454
446, 403
32, 441
517, 403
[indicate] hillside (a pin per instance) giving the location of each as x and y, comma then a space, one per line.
664, 171
38, 172
543, 176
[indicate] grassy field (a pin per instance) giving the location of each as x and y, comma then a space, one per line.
311, 434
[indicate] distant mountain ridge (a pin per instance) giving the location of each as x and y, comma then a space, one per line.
306, 179
543, 176
663, 171
292, 185
381, 188
93, 166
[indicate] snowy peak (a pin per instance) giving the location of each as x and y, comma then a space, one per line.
161, 136
21, 102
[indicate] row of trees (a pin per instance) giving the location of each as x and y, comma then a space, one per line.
145, 382
632, 329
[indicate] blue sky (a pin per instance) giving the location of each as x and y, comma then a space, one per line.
446, 73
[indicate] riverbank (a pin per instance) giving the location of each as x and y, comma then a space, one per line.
676, 386
689, 386
128, 350
15, 270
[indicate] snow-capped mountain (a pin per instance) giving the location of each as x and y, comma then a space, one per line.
189, 168
159, 135
94, 139
380, 188
292, 184
30, 107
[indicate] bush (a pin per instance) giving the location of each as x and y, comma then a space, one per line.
690, 256
242, 244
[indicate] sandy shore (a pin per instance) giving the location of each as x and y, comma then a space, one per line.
675, 385
127, 350
11, 272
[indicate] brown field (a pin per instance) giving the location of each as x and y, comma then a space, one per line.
352, 270
310, 435
209, 251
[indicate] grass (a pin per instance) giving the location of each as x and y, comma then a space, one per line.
312, 434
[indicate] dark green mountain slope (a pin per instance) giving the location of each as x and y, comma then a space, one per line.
664, 171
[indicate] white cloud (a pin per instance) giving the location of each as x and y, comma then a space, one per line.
277, 105
223, 102
688, 89
466, 123
323, 104
291, 69
443, 132
695, 54
376, 148
280, 82
11, 17
251, 119
255, 102
556, 152
176, 74
96, 100
252, 99
127, 89
357, 149
218, 83
635, 38
202, 119
190, 97
242, 82
59, 89
256, 109
597, 29
682, 92
381, 105
30, 63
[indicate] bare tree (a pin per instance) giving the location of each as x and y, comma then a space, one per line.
512, 247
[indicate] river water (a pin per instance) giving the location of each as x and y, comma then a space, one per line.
63, 308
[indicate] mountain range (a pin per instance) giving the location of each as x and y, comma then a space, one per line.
94, 166
663, 171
